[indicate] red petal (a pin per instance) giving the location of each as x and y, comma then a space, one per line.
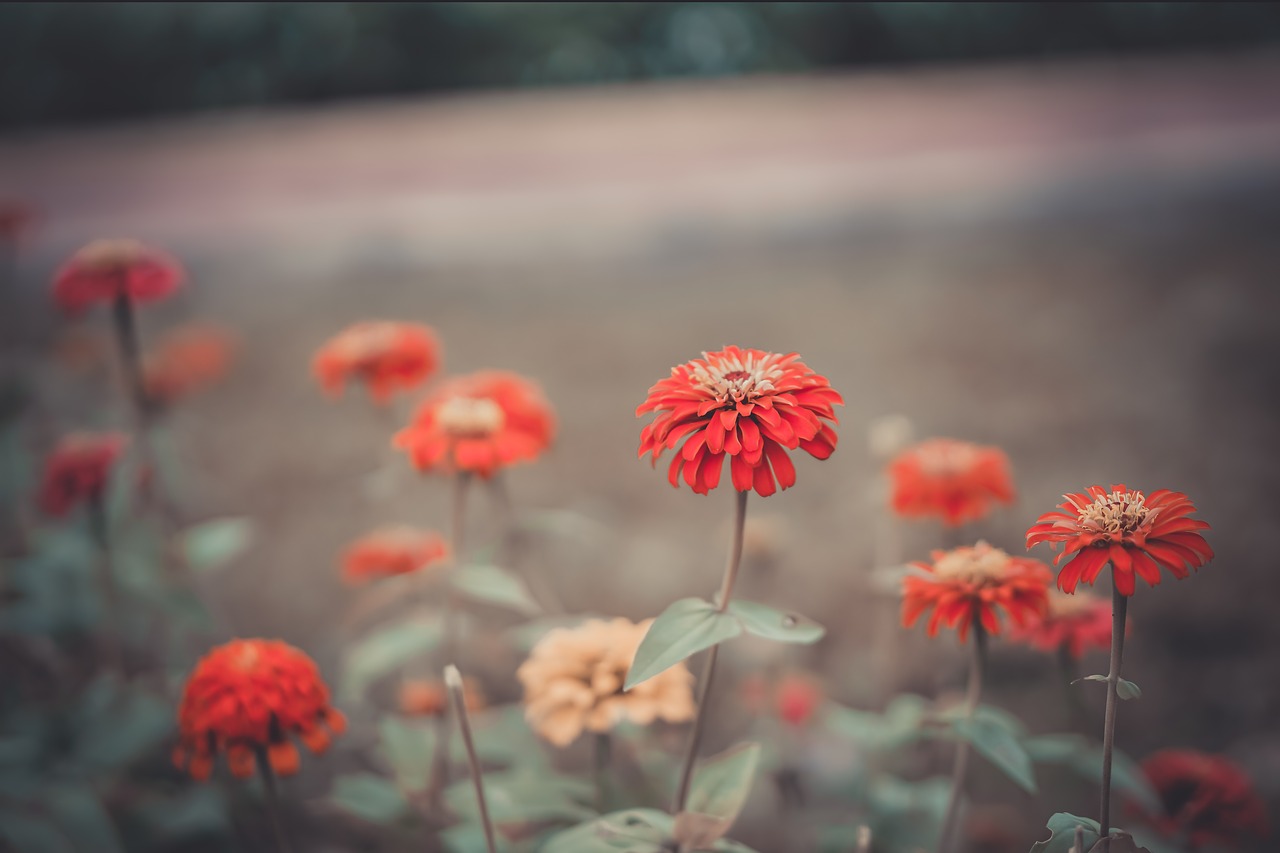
782, 465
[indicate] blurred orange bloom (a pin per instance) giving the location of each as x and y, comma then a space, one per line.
185, 360
479, 423
1078, 622
975, 583
1207, 799
426, 698
104, 270
573, 682
953, 480
390, 551
793, 698
248, 696
386, 356
1135, 533
76, 471
747, 404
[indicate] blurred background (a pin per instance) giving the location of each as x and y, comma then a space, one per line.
1049, 227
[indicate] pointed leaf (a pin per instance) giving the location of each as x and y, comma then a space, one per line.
685, 628
1101, 678
496, 586
1062, 834
1128, 690
762, 620
721, 784
213, 544
386, 649
995, 742
369, 797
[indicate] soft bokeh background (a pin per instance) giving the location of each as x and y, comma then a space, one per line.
1047, 227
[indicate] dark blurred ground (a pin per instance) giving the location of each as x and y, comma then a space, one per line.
1078, 263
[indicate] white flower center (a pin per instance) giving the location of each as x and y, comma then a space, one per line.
980, 564
470, 417
738, 379
940, 458
1115, 514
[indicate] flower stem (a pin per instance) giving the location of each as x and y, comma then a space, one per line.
1119, 608
601, 758
709, 668
453, 680
273, 799
977, 666
100, 530
130, 351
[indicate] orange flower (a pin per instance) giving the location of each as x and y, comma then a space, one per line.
573, 682
105, 270
1134, 532
248, 696
185, 360
952, 480
386, 356
1078, 622
421, 698
971, 584
793, 698
479, 423
390, 551
1207, 799
747, 404
77, 470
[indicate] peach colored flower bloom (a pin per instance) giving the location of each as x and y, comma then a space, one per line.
429, 698
749, 405
1135, 533
185, 360
105, 270
973, 584
249, 695
955, 481
1207, 799
386, 356
479, 423
573, 682
76, 471
390, 551
1077, 622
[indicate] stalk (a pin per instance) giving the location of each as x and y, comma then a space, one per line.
272, 799
453, 680
1119, 608
977, 666
601, 758
99, 529
440, 759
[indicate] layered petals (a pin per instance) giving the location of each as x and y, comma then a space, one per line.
390, 551
955, 481
386, 357
106, 270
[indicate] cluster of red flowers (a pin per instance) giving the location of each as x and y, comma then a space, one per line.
975, 584
955, 481
385, 356
76, 471
1207, 799
390, 551
107, 270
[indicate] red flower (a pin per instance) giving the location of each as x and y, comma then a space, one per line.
1207, 799
1079, 622
186, 360
952, 480
104, 270
1135, 533
973, 584
386, 356
77, 469
479, 423
423, 698
793, 698
390, 551
250, 695
747, 404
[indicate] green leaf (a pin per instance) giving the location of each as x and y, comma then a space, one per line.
386, 649
496, 586
1062, 834
212, 544
762, 620
685, 628
633, 830
409, 748
722, 783
1128, 690
469, 838
523, 796
1101, 678
369, 797
999, 745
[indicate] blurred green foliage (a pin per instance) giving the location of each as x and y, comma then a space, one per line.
97, 61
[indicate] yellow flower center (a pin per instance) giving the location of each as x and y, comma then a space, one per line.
979, 565
470, 417
1116, 514
738, 379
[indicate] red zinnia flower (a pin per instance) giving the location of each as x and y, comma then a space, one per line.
1079, 622
1207, 799
974, 583
104, 270
386, 356
479, 423
185, 360
250, 695
747, 404
1134, 532
953, 480
77, 469
390, 551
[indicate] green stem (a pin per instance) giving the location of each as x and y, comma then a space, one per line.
272, 799
601, 758
1119, 608
110, 638
130, 352
977, 666
453, 680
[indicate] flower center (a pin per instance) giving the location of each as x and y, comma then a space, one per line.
979, 565
470, 417
247, 657
367, 341
1063, 606
940, 458
1115, 515
108, 255
738, 380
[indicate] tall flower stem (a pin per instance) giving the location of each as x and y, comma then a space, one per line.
509, 536
130, 352
960, 769
99, 528
453, 680
272, 799
601, 758
1119, 612
709, 668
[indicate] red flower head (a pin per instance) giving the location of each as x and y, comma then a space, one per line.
793, 698
105, 270
423, 698
250, 695
1078, 622
1207, 799
968, 584
186, 360
77, 469
386, 356
747, 404
952, 480
390, 551
479, 423
1134, 532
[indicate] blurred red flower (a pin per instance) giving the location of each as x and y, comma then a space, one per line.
104, 270
953, 480
424, 698
747, 404
390, 551
386, 356
975, 583
185, 360
248, 696
793, 698
479, 423
1078, 622
76, 471
1135, 533
1207, 799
